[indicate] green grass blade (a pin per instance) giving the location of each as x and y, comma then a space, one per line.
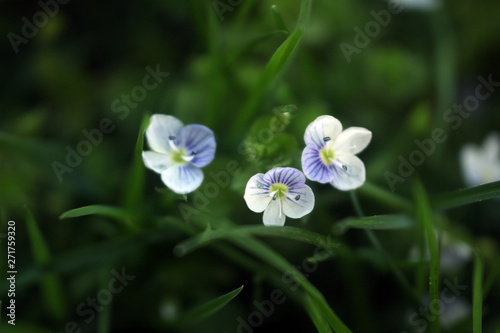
279, 19
466, 196
274, 68
104, 317
205, 310
477, 297
101, 210
135, 185
376, 222
292, 233
274, 259
316, 316
51, 286
424, 216
385, 197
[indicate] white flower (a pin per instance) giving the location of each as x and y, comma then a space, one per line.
329, 155
178, 152
481, 164
279, 193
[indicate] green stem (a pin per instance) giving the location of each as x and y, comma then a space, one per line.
377, 245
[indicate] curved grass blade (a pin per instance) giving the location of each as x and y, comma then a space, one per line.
279, 19
293, 233
274, 68
477, 297
424, 216
50, 283
101, 210
466, 196
376, 222
388, 198
205, 310
316, 316
135, 186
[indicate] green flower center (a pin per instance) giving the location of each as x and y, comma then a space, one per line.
327, 155
280, 190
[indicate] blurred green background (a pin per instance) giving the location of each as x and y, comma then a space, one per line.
79, 67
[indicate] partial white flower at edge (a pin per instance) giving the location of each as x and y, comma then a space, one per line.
178, 152
424, 5
279, 193
481, 164
329, 155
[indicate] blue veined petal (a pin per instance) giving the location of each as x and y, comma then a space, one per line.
352, 140
161, 128
274, 215
321, 130
257, 193
199, 140
157, 162
350, 178
182, 179
313, 166
298, 202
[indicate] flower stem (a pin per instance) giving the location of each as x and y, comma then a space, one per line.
377, 245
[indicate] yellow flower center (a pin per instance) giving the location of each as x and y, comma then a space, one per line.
278, 190
327, 155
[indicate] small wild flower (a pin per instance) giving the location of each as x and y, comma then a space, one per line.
329, 155
279, 193
481, 164
178, 152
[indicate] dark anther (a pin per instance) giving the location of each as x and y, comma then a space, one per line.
344, 167
194, 152
326, 138
297, 197
275, 196
171, 137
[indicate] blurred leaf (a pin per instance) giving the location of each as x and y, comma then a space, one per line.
102, 210
477, 294
466, 196
424, 216
134, 190
244, 232
205, 310
378, 222
104, 318
390, 199
51, 285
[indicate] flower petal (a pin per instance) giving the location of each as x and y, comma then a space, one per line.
182, 178
257, 193
323, 127
491, 147
470, 159
314, 167
350, 178
352, 140
157, 162
162, 127
287, 176
298, 202
200, 140
274, 215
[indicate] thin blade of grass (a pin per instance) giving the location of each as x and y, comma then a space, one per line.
477, 297
133, 194
279, 19
50, 283
466, 196
205, 310
385, 197
293, 233
424, 216
274, 68
316, 316
376, 222
104, 318
101, 210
